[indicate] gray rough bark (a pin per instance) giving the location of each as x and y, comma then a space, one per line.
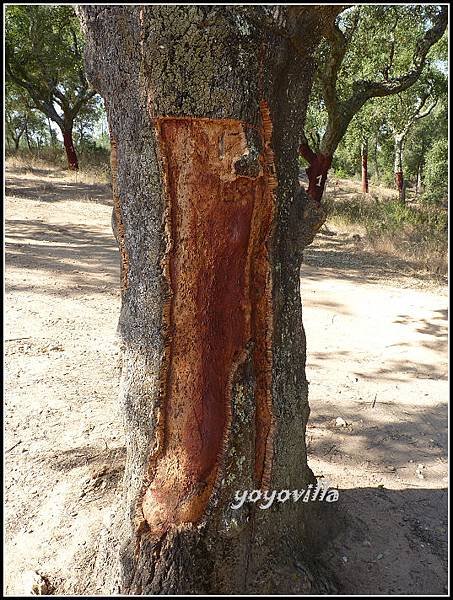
210, 63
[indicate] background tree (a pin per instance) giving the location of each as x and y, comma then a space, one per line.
87, 121
43, 51
369, 52
423, 155
417, 115
22, 122
403, 111
427, 154
16, 116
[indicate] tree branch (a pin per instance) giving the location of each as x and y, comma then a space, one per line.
44, 106
372, 89
340, 114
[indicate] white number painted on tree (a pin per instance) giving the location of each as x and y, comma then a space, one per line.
319, 178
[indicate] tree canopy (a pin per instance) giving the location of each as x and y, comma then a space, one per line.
44, 57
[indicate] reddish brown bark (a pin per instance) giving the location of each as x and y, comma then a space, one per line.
399, 181
219, 274
364, 169
317, 170
71, 155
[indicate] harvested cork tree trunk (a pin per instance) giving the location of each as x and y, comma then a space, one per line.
205, 110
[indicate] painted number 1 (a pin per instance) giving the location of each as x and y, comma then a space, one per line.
319, 178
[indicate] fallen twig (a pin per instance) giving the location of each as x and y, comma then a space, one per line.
12, 447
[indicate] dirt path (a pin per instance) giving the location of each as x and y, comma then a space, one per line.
376, 358
64, 448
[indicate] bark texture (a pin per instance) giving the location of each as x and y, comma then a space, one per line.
205, 109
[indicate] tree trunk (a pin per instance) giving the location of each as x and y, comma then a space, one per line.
398, 169
211, 225
375, 157
71, 154
317, 170
52, 134
27, 137
364, 151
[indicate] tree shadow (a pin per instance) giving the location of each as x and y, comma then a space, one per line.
58, 191
381, 432
436, 327
391, 541
65, 460
80, 257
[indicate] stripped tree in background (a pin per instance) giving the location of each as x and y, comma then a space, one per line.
369, 52
404, 110
43, 52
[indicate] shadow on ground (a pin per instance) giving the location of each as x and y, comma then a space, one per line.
57, 191
401, 549
77, 255
389, 440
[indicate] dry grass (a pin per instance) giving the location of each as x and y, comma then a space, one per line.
33, 166
336, 185
414, 232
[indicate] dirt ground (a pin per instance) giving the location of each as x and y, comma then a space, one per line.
377, 365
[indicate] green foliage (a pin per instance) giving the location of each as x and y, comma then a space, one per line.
437, 168
383, 43
45, 42
45, 76
355, 96
44, 56
23, 124
87, 123
422, 112
389, 217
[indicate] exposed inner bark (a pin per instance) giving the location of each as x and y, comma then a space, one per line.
70, 150
317, 170
399, 182
219, 273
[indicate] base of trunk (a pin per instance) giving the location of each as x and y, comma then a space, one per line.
185, 561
